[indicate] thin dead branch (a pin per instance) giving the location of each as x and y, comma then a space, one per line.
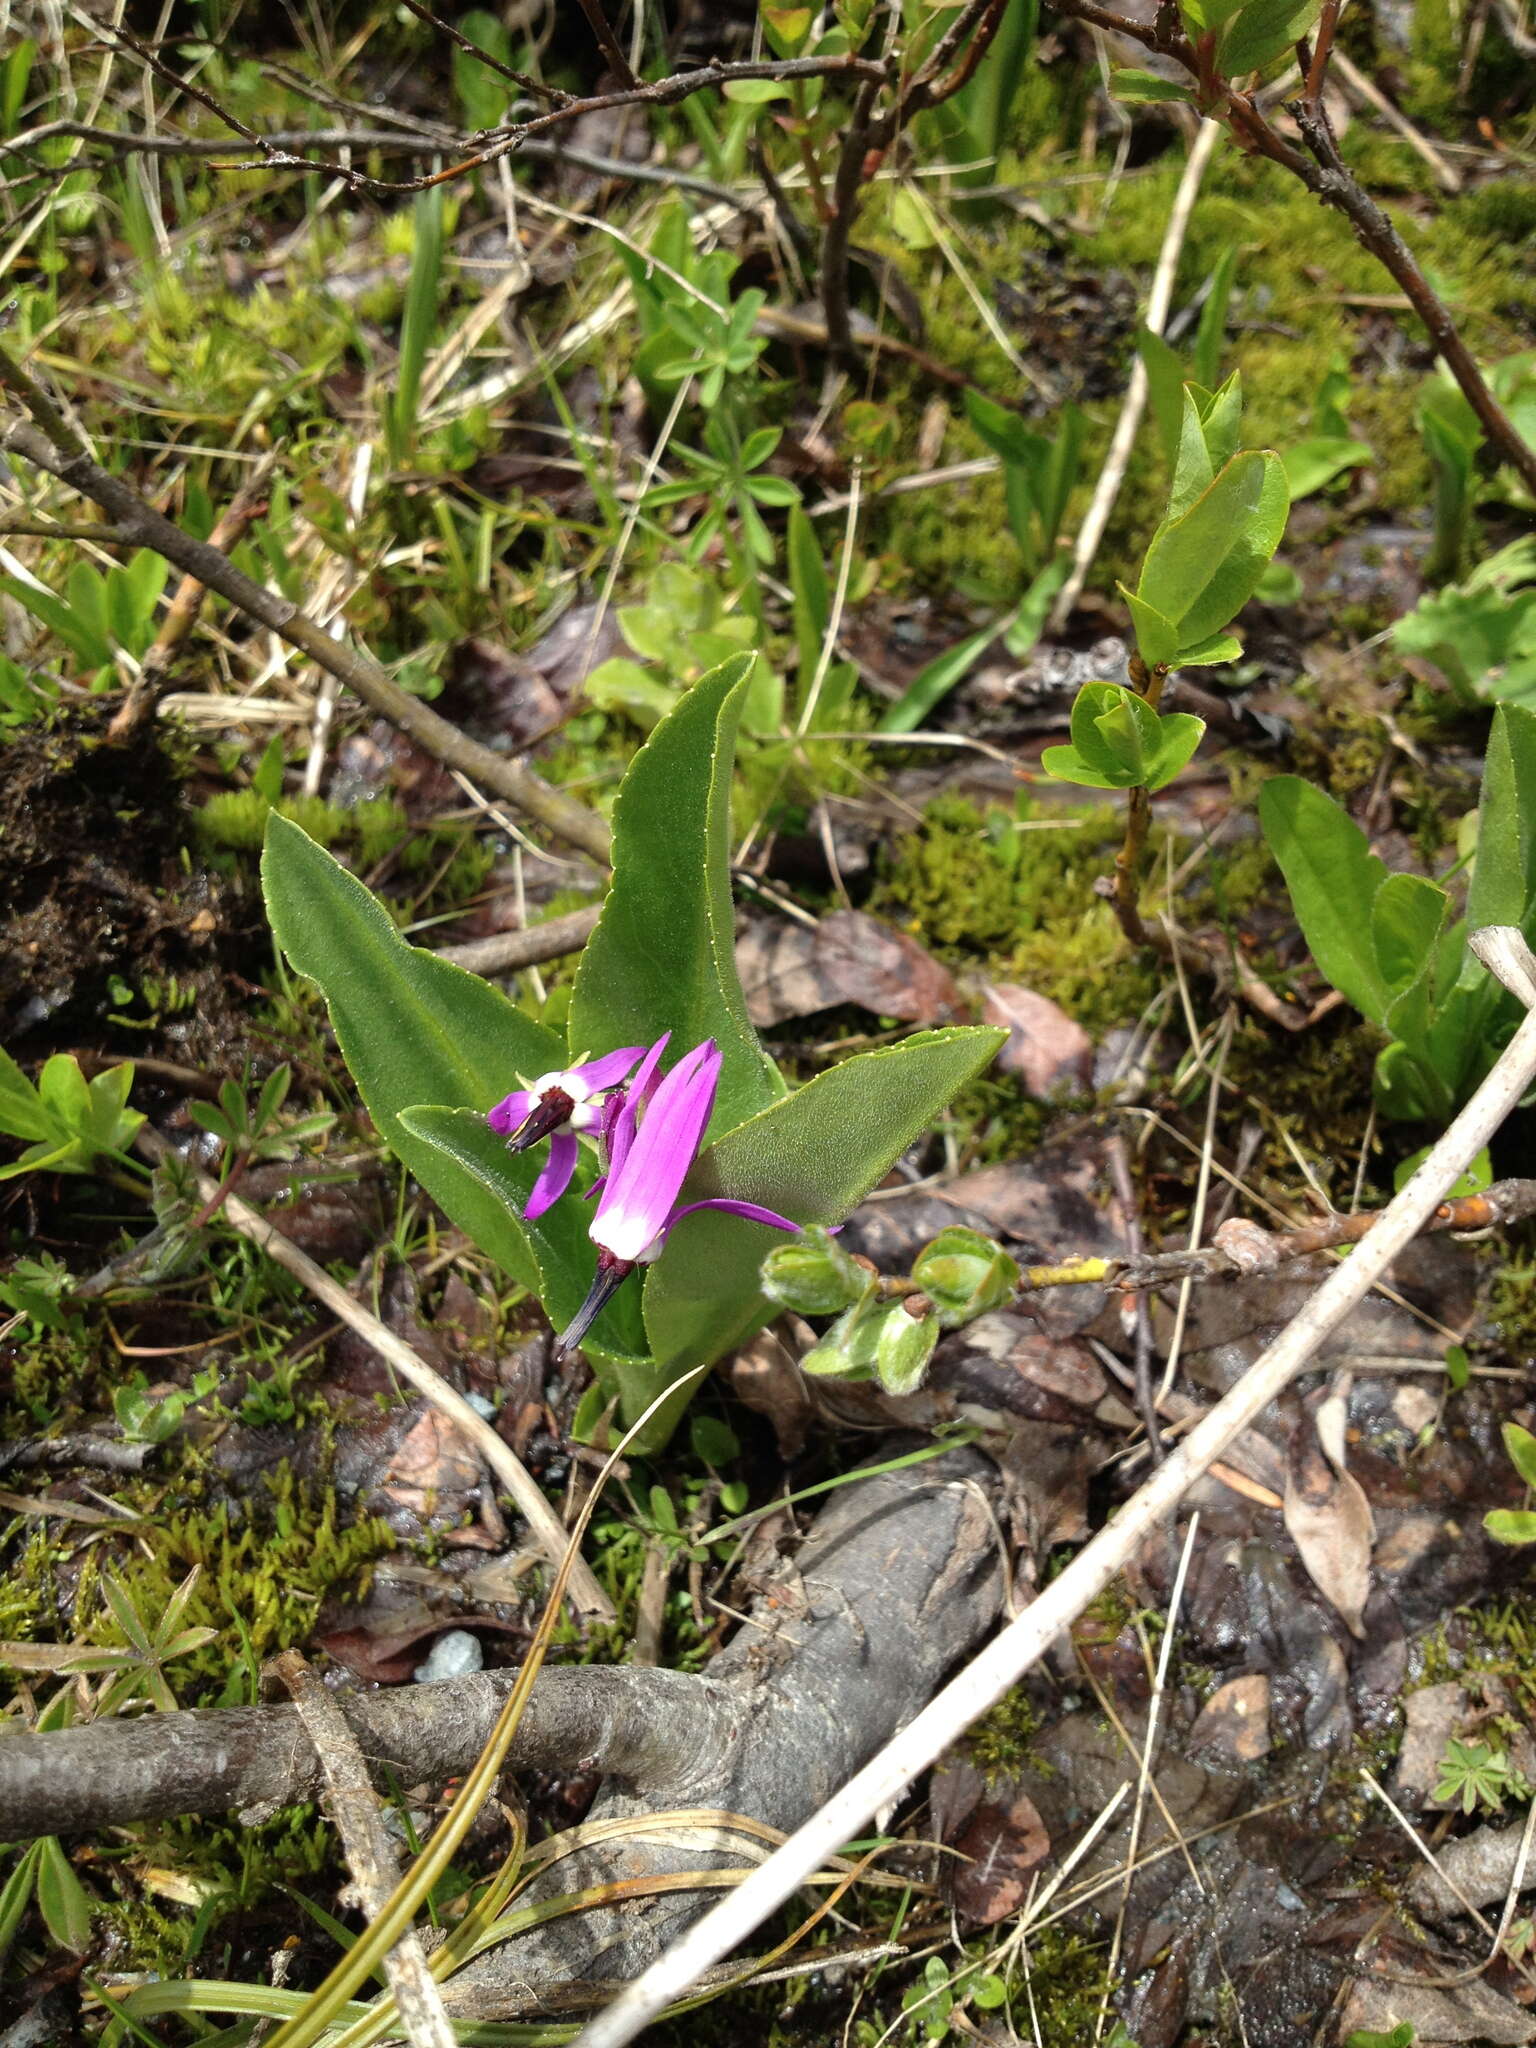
354, 1807
50, 443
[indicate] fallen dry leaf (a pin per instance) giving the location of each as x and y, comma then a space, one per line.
1046, 1048
1327, 1514
792, 971
1233, 1725
1005, 1839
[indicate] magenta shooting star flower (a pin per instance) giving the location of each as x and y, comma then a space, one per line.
557, 1106
651, 1130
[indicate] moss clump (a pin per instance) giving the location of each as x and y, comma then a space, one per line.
1000, 1742
266, 1562
1512, 1306
1024, 899
237, 819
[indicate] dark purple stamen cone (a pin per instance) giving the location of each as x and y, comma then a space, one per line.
548, 1114
610, 1277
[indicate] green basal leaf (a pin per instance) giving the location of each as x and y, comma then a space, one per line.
409, 1025
1510, 1525
559, 1241
1407, 914
1178, 735
1503, 885
64, 1902
23, 1113
1405, 1088
663, 955
1316, 461
1333, 877
813, 1155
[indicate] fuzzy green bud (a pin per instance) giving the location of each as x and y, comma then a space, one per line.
908, 1333
964, 1275
812, 1275
847, 1351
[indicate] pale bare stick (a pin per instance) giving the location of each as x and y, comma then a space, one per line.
1096, 518
371, 1858
1022, 1644
548, 1530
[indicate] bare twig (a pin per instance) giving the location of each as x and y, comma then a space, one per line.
545, 1524
371, 1858
54, 445
154, 675
608, 43
1025, 1641
1329, 179
531, 947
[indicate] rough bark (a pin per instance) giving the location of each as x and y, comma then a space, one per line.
899, 1579
644, 1726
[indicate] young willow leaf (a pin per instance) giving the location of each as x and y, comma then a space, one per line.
1140, 87
663, 955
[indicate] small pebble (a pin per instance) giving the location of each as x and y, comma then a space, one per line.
482, 1405
455, 1654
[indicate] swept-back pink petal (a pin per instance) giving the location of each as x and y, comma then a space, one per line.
511, 1113
637, 1202
619, 1128
556, 1175
753, 1212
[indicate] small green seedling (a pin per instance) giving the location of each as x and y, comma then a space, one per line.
69, 1124
1474, 1774
1481, 633
100, 614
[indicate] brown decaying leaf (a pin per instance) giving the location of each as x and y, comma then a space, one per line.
792, 971
1005, 1840
1327, 1514
1048, 1051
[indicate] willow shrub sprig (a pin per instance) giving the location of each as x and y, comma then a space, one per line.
701, 1165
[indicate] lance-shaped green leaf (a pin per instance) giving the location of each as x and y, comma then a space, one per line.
1407, 916
1333, 878
411, 1027
813, 1155
663, 955
1202, 567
